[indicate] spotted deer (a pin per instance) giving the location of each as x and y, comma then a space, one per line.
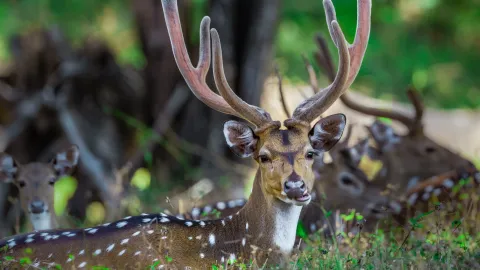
339, 186
408, 158
35, 182
264, 229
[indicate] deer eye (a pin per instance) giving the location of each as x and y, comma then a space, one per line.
311, 154
263, 158
21, 184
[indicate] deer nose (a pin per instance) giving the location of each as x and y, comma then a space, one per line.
37, 207
294, 189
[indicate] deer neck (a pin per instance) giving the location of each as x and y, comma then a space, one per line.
274, 222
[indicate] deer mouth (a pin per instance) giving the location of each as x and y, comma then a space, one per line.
306, 197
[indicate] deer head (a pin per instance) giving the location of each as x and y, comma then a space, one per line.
35, 183
342, 186
408, 157
283, 183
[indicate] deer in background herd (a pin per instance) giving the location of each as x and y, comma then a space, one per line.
407, 159
264, 229
35, 182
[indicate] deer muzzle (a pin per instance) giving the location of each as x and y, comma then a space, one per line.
296, 190
37, 207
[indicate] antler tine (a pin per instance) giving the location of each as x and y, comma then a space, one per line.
417, 103
312, 107
280, 89
348, 101
254, 114
359, 46
323, 56
348, 68
311, 74
195, 76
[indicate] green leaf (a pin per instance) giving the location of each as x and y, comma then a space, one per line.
301, 230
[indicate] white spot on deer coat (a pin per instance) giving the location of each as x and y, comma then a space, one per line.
110, 248
448, 183
136, 233
188, 223
164, 220
146, 220
124, 241
412, 199
97, 252
202, 255
137, 253
221, 205
83, 264
121, 224
92, 231
211, 239
81, 252
122, 252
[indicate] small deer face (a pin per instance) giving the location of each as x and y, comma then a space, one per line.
412, 156
286, 155
35, 182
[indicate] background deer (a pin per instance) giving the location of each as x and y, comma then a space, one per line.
282, 185
35, 182
409, 158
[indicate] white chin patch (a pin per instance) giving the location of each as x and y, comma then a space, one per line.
41, 221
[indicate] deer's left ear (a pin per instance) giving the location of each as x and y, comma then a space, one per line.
327, 132
64, 162
240, 138
357, 152
8, 168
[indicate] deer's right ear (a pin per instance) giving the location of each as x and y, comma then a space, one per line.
64, 162
327, 132
383, 134
240, 138
8, 168
373, 153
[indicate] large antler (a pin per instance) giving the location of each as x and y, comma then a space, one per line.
228, 102
324, 60
351, 57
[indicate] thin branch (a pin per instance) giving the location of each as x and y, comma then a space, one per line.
161, 124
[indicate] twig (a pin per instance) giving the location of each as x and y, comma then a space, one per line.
198, 150
162, 123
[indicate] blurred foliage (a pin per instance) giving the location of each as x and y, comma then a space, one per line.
141, 179
432, 44
64, 189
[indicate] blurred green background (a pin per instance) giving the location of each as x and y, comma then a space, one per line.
432, 44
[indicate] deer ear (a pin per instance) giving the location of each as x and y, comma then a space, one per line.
357, 152
373, 153
240, 138
327, 132
8, 168
383, 134
64, 162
